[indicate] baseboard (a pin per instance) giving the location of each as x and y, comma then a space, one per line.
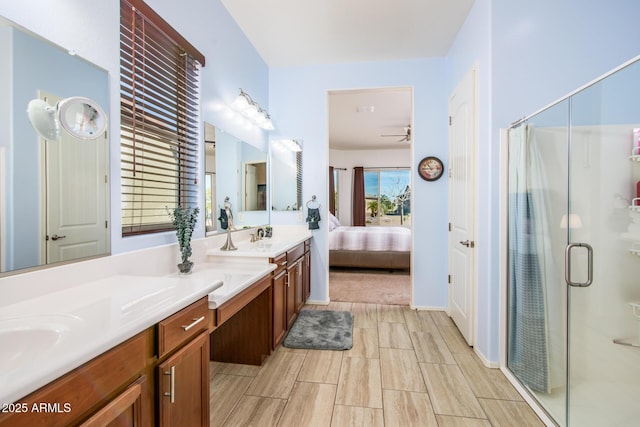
426, 308
486, 362
318, 302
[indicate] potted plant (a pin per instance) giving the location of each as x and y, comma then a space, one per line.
184, 220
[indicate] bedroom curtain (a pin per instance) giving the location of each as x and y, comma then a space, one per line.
530, 264
358, 203
332, 192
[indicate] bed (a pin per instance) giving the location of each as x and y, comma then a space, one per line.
369, 247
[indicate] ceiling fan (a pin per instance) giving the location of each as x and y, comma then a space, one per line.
406, 136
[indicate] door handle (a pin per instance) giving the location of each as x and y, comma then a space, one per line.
468, 243
56, 237
567, 265
172, 384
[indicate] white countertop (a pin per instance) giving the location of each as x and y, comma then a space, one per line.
265, 248
236, 277
49, 328
45, 337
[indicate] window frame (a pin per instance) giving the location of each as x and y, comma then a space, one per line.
160, 120
379, 171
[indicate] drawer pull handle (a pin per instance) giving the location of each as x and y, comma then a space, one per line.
172, 390
192, 324
282, 264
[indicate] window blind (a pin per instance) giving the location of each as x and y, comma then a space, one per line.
159, 113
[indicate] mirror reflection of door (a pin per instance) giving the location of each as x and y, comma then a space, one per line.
74, 193
254, 186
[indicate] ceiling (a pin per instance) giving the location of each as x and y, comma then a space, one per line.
302, 32
297, 32
358, 119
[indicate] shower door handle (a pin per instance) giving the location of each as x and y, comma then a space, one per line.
567, 265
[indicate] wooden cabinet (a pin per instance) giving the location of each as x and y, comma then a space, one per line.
291, 288
126, 410
295, 295
117, 388
108, 388
242, 326
306, 272
183, 385
279, 292
183, 371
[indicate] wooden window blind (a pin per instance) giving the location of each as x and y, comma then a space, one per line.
159, 131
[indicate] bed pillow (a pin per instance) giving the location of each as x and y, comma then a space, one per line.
333, 222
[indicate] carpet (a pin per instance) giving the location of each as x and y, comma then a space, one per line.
367, 286
321, 330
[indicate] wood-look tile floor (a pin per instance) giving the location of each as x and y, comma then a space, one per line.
406, 368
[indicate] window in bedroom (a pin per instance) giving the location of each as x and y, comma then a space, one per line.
388, 197
159, 113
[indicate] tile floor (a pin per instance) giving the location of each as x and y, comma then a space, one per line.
406, 368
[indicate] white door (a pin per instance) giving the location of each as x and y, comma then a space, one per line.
462, 137
76, 193
250, 188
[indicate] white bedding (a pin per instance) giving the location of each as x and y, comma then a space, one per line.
370, 239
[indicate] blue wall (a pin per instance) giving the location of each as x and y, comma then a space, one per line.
472, 48
231, 63
537, 53
298, 102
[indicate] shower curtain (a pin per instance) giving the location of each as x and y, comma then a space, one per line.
530, 262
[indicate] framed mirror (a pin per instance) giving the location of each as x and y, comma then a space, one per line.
238, 170
286, 175
54, 193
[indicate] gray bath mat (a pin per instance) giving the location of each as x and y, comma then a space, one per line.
321, 330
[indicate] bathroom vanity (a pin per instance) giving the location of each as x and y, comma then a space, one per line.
247, 327
84, 346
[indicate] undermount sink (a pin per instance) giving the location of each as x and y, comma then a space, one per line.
28, 338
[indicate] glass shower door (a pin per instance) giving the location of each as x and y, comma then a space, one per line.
538, 202
603, 336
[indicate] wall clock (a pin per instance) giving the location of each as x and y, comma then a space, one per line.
430, 168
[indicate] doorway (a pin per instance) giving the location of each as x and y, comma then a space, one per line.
370, 142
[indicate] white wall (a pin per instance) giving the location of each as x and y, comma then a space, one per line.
367, 158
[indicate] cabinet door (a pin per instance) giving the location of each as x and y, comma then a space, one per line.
279, 307
299, 288
293, 279
124, 410
183, 382
306, 277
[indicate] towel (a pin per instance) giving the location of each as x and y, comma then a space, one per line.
224, 219
313, 218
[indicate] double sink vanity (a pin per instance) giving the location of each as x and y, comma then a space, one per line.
94, 343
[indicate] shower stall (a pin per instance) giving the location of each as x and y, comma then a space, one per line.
573, 254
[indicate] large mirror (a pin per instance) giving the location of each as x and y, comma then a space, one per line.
237, 170
54, 194
286, 175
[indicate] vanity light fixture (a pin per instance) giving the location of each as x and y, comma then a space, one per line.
287, 145
81, 117
250, 109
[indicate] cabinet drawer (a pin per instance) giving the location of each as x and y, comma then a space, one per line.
280, 261
183, 325
77, 393
294, 254
237, 303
